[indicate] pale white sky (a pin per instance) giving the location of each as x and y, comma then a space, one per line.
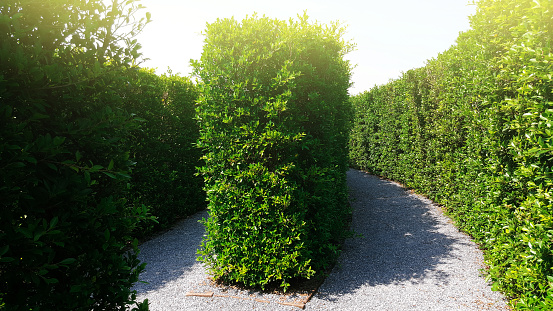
392, 36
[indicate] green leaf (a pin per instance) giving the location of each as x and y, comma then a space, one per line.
26, 232
53, 222
51, 281
16, 165
37, 235
30, 160
96, 168
127, 176
110, 175
58, 140
67, 261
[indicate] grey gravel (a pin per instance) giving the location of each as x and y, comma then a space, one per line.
409, 257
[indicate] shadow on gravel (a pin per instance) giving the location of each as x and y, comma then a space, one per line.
402, 239
171, 254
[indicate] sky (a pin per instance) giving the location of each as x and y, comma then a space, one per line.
391, 36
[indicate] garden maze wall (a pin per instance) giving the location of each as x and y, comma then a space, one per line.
472, 130
92, 150
273, 115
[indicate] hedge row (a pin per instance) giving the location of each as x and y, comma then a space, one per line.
164, 177
472, 130
75, 116
273, 115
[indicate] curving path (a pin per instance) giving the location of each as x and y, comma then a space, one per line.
410, 257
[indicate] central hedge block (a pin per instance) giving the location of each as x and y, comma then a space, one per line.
273, 117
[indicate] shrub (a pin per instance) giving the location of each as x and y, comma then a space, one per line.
273, 115
65, 236
471, 130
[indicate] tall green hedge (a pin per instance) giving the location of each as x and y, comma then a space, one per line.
273, 115
472, 130
65, 226
163, 146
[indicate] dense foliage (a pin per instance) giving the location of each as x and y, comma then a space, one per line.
273, 122
472, 130
65, 225
163, 147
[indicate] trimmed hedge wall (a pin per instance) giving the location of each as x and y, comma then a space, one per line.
164, 177
66, 228
92, 149
472, 130
273, 115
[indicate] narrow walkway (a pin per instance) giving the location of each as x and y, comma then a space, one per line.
410, 257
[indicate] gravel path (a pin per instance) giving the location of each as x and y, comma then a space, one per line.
410, 257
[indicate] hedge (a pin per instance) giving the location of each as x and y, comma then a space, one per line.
472, 130
164, 177
65, 239
273, 115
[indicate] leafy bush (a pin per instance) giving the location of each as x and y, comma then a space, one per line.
65, 236
273, 115
472, 131
163, 147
